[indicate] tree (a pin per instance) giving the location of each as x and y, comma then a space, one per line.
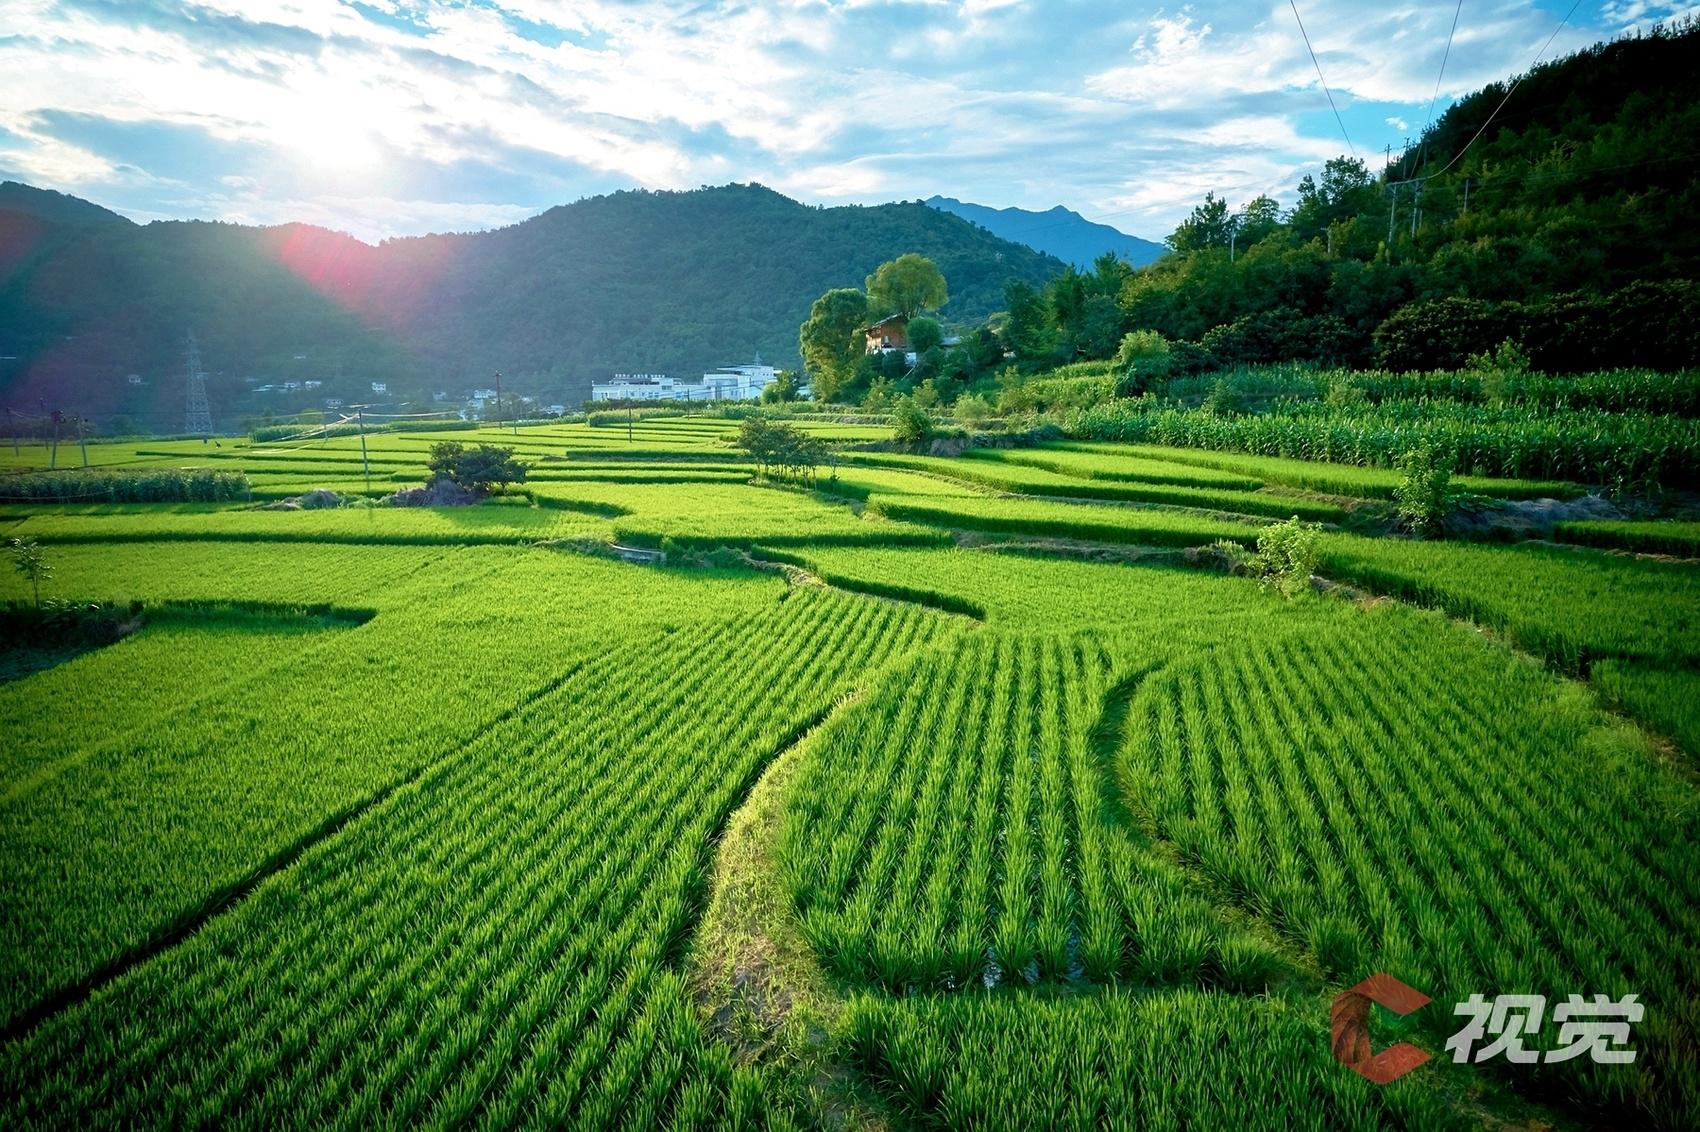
782, 446
1030, 331
1144, 358
1099, 327
30, 561
479, 469
1208, 226
828, 340
1346, 190
1256, 219
910, 422
924, 334
782, 388
1424, 492
907, 285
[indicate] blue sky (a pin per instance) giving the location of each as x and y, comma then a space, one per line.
395, 117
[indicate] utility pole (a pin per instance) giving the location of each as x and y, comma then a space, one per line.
1416, 207
1466, 196
82, 440
498, 398
360, 418
1233, 237
1331, 241
1392, 211
53, 459
628, 422
12, 427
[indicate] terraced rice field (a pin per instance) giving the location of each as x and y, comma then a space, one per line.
1026, 814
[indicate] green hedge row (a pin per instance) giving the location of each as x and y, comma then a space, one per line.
142, 485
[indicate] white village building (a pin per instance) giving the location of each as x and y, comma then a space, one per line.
728, 383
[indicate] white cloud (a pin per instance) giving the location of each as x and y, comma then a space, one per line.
1640, 15
480, 113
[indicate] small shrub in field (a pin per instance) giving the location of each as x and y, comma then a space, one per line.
1143, 359
1224, 398
910, 421
1287, 554
1502, 371
31, 562
972, 408
1424, 493
1344, 391
479, 469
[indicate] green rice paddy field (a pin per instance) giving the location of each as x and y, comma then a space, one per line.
955, 792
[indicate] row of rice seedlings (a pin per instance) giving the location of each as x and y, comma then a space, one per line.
284, 574
1169, 1059
38, 455
1664, 699
1167, 607
497, 525
667, 475
255, 460
1650, 536
69, 712
496, 944
1028, 480
1425, 806
185, 759
976, 848
1570, 606
1307, 475
1141, 526
1104, 463
861, 480
245, 768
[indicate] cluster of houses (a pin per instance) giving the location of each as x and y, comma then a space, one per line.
728, 383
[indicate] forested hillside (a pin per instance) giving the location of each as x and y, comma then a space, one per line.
1530, 206
676, 282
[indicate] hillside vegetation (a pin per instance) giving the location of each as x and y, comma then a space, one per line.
676, 282
1562, 228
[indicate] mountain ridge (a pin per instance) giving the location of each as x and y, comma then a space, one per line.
646, 280
1058, 231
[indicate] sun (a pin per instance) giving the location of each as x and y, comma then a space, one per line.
330, 137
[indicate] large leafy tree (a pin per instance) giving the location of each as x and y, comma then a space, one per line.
1031, 329
1257, 218
1346, 190
829, 340
1208, 226
906, 285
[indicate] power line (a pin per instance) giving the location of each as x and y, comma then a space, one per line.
1100, 217
1517, 83
1428, 117
1323, 81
